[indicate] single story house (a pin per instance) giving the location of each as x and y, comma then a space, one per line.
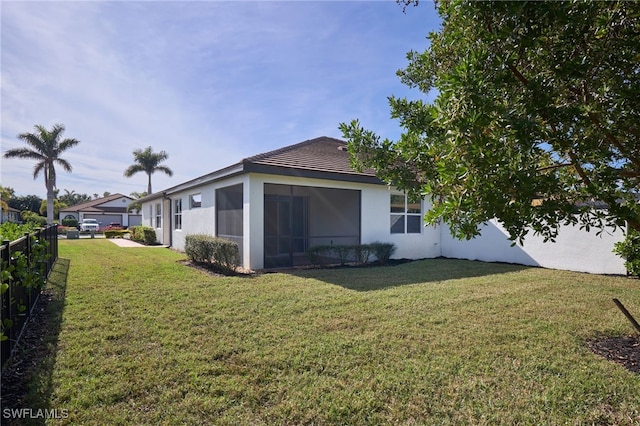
278, 204
10, 215
106, 210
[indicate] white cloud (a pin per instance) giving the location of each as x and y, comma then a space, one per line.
208, 82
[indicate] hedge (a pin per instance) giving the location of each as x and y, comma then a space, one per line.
629, 250
358, 253
116, 233
221, 253
143, 234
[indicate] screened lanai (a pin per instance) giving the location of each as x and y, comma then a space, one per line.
299, 217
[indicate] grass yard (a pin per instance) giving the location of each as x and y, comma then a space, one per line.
147, 340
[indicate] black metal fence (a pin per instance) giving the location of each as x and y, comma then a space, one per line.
24, 266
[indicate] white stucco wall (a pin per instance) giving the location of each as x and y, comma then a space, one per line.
574, 249
376, 224
375, 218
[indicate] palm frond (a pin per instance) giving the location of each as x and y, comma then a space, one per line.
65, 164
23, 153
66, 144
133, 169
165, 169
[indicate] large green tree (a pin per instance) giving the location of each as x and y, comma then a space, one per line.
148, 162
45, 147
536, 117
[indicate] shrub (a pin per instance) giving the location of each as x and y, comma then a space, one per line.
226, 255
383, 251
362, 253
223, 254
318, 255
629, 250
342, 252
199, 247
32, 217
143, 234
12, 231
72, 223
62, 230
116, 233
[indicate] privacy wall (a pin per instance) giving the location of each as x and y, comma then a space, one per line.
574, 249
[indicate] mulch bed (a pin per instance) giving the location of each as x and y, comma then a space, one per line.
622, 350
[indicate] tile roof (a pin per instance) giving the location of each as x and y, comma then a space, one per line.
323, 154
91, 205
321, 158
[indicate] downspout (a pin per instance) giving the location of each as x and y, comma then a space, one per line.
168, 217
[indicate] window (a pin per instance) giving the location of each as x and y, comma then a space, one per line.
406, 216
158, 215
195, 201
151, 215
177, 213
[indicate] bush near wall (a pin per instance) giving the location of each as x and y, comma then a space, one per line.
629, 250
356, 253
222, 254
143, 234
70, 223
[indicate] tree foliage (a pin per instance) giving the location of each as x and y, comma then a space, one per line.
536, 118
45, 147
148, 162
71, 198
26, 202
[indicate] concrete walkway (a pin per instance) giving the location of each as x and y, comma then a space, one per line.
128, 243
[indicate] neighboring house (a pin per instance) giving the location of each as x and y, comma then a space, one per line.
105, 210
10, 215
278, 204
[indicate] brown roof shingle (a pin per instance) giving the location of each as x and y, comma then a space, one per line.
323, 155
321, 158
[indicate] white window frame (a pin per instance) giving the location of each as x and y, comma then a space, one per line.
158, 215
404, 213
177, 214
195, 203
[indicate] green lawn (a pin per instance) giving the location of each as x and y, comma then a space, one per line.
147, 340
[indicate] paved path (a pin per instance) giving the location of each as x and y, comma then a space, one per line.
128, 243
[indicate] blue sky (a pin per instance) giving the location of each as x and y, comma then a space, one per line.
208, 82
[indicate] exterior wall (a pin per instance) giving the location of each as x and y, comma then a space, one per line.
11, 215
375, 218
121, 202
376, 225
195, 220
574, 249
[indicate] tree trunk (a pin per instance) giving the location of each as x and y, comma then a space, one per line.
50, 195
149, 184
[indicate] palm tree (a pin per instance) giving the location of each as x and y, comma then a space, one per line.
46, 148
149, 162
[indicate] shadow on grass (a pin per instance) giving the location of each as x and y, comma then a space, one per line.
414, 272
27, 379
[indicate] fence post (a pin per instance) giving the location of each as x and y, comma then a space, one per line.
5, 309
